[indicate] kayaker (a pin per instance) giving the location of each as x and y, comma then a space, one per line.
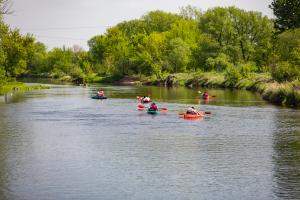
146, 99
205, 95
100, 93
191, 110
153, 107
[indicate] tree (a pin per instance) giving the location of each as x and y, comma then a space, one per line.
60, 61
97, 47
17, 50
159, 21
118, 48
243, 36
178, 55
287, 14
287, 56
190, 12
5, 7
37, 59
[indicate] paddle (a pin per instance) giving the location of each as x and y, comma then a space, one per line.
205, 112
141, 107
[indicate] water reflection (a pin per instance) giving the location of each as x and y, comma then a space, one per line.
287, 155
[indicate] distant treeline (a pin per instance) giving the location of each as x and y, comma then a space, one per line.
226, 40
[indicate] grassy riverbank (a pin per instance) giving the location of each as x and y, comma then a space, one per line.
7, 87
287, 93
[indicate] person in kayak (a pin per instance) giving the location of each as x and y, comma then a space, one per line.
100, 93
153, 107
146, 99
205, 95
192, 111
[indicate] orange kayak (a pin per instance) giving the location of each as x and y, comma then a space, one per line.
193, 116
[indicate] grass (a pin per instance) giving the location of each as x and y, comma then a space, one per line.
7, 87
287, 93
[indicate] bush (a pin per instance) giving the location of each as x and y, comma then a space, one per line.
232, 76
285, 71
247, 69
220, 63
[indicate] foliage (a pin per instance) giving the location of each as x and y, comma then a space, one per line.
241, 35
219, 63
287, 14
232, 76
287, 56
247, 68
285, 71
177, 55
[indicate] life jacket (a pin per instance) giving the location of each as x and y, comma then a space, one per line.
153, 107
205, 96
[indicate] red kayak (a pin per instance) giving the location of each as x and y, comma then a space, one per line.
193, 116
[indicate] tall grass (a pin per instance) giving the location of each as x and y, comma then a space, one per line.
17, 86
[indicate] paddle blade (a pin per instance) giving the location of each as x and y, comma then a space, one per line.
163, 109
181, 113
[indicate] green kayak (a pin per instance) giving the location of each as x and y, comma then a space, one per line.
152, 112
99, 97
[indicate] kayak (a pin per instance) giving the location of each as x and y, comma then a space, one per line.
192, 116
152, 112
99, 97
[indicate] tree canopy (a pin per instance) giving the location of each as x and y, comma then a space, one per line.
287, 14
221, 39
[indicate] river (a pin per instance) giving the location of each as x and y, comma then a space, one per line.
59, 144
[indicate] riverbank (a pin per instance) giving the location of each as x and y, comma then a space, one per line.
7, 87
286, 94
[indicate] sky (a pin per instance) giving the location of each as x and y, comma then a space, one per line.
74, 22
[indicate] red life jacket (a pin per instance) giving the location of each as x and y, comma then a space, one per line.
153, 107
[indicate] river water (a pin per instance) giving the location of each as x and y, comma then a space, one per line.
59, 144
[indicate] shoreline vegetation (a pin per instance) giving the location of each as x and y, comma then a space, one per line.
14, 86
225, 47
285, 94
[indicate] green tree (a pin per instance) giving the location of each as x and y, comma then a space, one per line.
159, 21
286, 66
118, 48
287, 14
17, 50
37, 59
243, 36
60, 61
178, 55
97, 47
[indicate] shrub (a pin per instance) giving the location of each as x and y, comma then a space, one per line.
247, 69
285, 71
232, 76
220, 63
